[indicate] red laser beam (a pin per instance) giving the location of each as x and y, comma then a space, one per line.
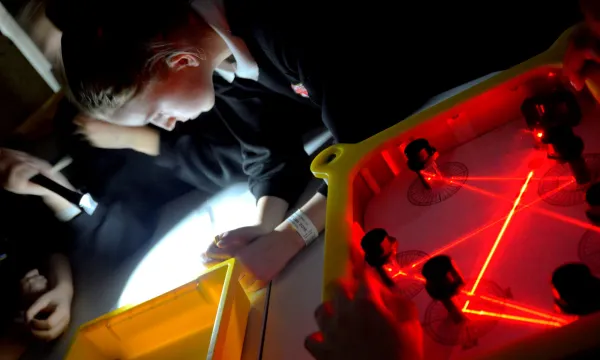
564, 218
569, 220
504, 302
513, 317
493, 178
542, 211
484, 227
524, 309
499, 237
456, 242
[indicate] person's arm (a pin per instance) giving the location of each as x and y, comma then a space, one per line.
60, 275
62, 209
105, 135
50, 315
271, 212
315, 210
582, 57
146, 140
366, 320
17, 168
264, 257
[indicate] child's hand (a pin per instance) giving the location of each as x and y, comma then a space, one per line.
50, 315
584, 46
583, 50
17, 168
226, 245
267, 256
366, 320
33, 284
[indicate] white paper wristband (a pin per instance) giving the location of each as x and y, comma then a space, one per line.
303, 226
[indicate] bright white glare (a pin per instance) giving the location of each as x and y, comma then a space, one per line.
176, 258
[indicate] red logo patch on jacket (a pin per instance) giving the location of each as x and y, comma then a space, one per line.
300, 90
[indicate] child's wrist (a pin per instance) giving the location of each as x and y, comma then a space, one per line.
65, 287
55, 201
265, 227
63, 209
303, 226
291, 233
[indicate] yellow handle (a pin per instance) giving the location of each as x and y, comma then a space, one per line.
330, 158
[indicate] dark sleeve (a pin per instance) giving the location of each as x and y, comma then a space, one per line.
202, 152
273, 153
232, 143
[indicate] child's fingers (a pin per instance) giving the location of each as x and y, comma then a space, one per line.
581, 50
371, 285
18, 180
35, 284
30, 274
238, 237
53, 333
62, 164
572, 66
324, 317
402, 309
217, 254
372, 296
250, 283
315, 345
342, 293
42, 303
57, 317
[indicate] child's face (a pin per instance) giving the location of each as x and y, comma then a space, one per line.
180, 95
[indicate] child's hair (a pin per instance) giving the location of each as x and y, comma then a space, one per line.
107, 61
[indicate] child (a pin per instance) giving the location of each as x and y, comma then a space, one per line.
34, 275
363, 67
206, 155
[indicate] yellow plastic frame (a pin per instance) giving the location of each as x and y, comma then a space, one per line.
339, 164
219, 306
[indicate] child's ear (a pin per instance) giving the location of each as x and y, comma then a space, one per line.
184, 60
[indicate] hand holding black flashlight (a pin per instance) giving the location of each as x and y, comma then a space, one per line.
19, 171
84, 201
